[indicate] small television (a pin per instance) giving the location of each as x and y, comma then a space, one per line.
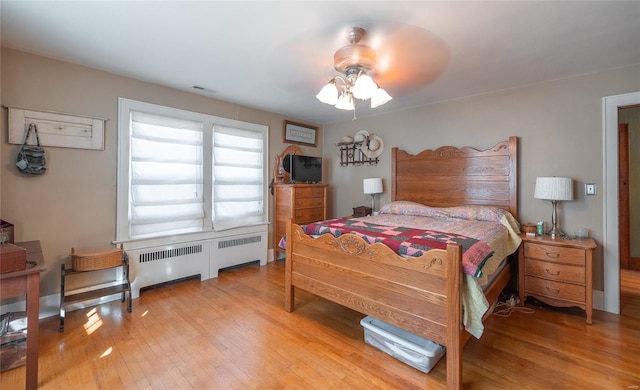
304, 169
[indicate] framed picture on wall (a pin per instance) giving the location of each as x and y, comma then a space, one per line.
299, 133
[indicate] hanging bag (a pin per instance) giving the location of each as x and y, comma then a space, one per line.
31, 158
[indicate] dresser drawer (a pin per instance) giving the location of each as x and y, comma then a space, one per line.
309, 202
557, 290
555, 254
310, 192
309, 215
553, 271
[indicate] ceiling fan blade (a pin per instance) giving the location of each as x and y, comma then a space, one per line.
409, 58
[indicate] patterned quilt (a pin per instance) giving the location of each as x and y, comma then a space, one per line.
408, 241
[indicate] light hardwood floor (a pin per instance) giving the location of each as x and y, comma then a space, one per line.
233, 333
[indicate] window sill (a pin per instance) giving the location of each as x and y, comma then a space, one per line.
178, 239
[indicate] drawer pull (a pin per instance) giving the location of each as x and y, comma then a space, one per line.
553, 255
556, 273
552, 290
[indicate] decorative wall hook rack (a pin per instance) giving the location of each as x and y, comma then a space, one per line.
351, 154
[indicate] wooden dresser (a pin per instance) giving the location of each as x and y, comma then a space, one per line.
557, 271
303, 203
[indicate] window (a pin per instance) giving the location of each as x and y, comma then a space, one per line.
166, 175
185, 172
238, 188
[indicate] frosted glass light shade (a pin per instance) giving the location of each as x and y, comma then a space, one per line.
554, 188
364, 87
372, 186
379, 97
345, 102
328, 94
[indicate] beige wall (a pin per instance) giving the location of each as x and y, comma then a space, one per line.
74, 203
559, 125
632, 117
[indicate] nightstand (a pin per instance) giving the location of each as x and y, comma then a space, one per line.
557, 271
361, 211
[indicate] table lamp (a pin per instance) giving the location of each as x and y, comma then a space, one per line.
554, 189
372, 187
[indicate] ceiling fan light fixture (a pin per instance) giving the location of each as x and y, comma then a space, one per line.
353, 61
379, 97
329, 93
364, 87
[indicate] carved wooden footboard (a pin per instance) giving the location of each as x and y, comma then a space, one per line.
419, 294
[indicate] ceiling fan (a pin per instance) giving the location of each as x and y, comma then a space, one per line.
354, 61
399, 57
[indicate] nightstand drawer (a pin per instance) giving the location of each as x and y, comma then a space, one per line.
309, 215
309, 192
309, 202
557, 290
553, 271
556, 254
361, 211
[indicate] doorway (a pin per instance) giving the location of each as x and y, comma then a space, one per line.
629, 208
610, 105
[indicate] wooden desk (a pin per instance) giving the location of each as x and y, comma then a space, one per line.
27, 282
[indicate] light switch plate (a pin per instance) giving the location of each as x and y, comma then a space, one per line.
590, 189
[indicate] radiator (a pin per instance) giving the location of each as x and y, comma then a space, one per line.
167, 263
157, 265
230, 251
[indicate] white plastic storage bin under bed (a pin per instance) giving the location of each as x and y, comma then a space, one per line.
409, 348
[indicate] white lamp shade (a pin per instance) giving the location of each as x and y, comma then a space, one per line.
345, 102
554, 188
364, 87
379, 97
372, 185
328, 94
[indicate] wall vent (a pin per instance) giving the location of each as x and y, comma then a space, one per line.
169, 253
238, 241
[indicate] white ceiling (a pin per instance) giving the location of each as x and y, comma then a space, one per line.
276, 56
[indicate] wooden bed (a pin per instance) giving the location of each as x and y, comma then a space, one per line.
419, 294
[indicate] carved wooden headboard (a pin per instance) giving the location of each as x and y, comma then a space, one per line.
450, 176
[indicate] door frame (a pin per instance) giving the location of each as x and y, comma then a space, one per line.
611, 250
623, 195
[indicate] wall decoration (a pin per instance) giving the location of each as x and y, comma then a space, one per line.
57, 129
299, 133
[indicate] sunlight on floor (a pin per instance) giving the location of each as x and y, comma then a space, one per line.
93, 321
107, 352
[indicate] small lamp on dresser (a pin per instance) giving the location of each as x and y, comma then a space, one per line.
554, 189
372, 187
